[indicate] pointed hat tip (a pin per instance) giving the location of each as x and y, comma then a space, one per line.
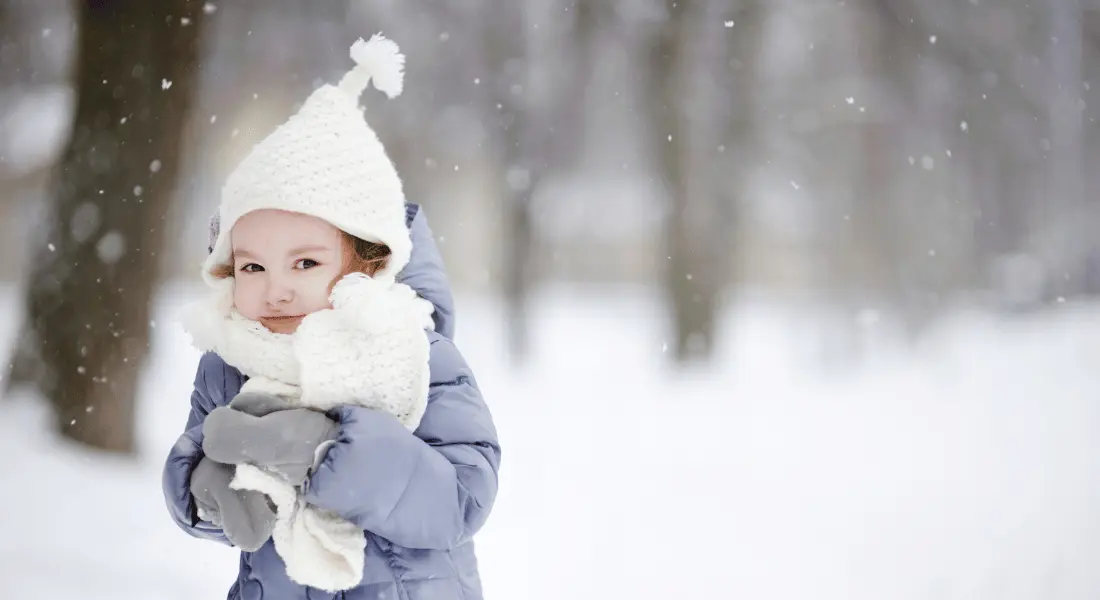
378, 60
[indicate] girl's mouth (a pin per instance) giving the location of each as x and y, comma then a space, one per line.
282, 323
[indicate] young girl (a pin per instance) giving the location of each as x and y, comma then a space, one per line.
380, 495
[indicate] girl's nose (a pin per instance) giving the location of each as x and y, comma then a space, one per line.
278, 293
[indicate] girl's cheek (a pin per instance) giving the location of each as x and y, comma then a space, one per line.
242, 294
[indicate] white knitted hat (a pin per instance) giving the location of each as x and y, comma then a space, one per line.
327, 162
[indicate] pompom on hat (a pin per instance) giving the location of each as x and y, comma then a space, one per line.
327, 162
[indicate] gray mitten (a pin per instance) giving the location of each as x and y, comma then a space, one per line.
246, 516
259, 404
287, 441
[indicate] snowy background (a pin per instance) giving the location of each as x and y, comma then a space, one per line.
890, 220
967, 468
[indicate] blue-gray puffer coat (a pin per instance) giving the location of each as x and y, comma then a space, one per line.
419, 496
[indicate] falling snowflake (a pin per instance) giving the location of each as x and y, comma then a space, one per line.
165, 84
850, 100
154, 166
795, 185
185, 21
931, 39
213, 118
729, 24
111, 247
963, 126
85, 221
209, 8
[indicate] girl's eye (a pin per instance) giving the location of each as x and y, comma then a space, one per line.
306, 263
251, 268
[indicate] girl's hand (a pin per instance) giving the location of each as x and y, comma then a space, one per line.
288, 441
377, 306
245, 516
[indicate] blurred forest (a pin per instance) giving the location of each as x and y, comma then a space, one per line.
885, 160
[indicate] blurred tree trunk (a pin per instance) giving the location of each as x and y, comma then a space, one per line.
544, 70
735, 73
86, 332
1070, 225
505, 52
684, 103
887, 239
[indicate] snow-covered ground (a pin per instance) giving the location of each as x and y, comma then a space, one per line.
968, 469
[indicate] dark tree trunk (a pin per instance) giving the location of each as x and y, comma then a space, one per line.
504, 50
86, 332
695, 227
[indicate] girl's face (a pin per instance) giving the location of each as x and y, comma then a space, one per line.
284, 264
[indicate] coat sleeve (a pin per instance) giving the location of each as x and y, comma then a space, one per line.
186, 453
432, 489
